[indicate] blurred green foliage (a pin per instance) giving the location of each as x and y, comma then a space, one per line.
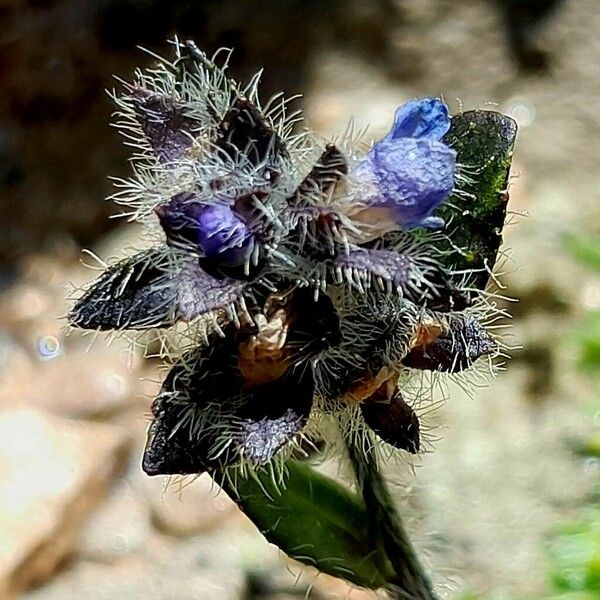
574, 557
573, 550
586, 249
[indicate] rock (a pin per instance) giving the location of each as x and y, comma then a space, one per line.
187, 507
166, 569
73, 382
53, 473
141, 582
119, 529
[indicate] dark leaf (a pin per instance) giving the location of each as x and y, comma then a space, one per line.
320, 183
313, 520
152, 289
316, 324
135, 293
244, 130
453, 350
171, 449
392, 419
205, 418
168, 129
188, 413
484, 142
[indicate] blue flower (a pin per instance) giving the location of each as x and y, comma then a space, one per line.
410, 172
223, 235
426, 118
213, 229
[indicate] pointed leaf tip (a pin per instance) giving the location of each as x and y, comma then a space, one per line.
454, 349
168, 129
393, 420
152, 289
135, 293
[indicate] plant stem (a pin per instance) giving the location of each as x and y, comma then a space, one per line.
385, 524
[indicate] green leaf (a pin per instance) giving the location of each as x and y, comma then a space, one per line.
585, 248
588, 446
484, 142
575, 555
313, 520
587, 337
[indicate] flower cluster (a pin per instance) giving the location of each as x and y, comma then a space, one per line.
305, 273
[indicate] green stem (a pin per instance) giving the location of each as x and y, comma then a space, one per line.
385, 524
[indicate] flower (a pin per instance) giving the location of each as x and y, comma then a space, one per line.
212, 229
410, 172
308, 318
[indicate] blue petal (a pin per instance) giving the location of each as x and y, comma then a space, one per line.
425, 118
223, 235
213, 229
411, 177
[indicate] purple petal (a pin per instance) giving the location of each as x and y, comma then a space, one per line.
223, 235
416, 278
409, 178
168, 130
213, 230
425, 118
198, 293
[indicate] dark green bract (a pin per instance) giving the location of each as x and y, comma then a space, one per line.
484, 142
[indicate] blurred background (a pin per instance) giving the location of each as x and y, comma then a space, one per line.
507, 507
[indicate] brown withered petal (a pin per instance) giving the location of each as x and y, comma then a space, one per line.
392, 419
170, 132
455, 349
264, 356
287, 333
368, 385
